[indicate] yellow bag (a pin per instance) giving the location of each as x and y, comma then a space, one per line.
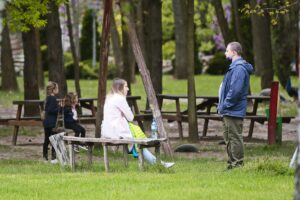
136, 131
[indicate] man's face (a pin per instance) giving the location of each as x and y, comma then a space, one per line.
229, 53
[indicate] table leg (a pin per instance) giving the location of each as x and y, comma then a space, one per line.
16, 128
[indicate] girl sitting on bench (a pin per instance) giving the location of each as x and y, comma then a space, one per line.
71, 117
117, 114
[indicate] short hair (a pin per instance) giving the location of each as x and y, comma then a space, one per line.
70, 99
51, 86
236, 46
117, 86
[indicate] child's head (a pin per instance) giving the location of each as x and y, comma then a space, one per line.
52, 88
119, 86
71, 99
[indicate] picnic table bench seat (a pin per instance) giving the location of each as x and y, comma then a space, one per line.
142, 143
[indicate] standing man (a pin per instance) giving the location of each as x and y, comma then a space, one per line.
233, 103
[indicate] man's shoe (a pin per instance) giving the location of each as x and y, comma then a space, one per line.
167, 164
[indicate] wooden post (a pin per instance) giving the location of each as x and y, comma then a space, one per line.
72, 156
60, 148
104, 50
106, 162
135, 45
90, 154
141, 158
273, 113
125, 154
157, 153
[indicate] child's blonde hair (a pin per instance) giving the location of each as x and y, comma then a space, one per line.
117, 86
70, 99
51, 86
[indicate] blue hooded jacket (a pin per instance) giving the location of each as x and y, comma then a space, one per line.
234, 90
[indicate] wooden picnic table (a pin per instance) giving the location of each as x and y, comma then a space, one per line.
88, 103
204, 111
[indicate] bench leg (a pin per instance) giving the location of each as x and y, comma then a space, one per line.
251, 127
72, 156
180, 130
205, 127
157, 153
141, 159
125, 154
106, 163
15, 136
90, 154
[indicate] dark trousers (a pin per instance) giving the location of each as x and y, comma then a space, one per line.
48, 133
77, 128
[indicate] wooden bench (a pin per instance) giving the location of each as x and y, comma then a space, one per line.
204, 111
142, 143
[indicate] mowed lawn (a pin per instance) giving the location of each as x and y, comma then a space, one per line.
266, 174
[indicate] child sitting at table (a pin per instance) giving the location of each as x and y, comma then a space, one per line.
71, 117
51, 111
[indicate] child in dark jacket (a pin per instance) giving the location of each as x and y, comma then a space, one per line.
71, 116
51, 111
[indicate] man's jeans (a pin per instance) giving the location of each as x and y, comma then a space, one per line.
233, 136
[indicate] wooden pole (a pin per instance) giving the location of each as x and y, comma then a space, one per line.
273, 113
147, 81
104, 50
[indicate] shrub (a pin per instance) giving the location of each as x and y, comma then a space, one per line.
218, 64
87, 71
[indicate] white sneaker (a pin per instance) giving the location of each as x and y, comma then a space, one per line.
54, 161
83, 147
167, 164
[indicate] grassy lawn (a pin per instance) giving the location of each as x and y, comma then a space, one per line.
265, 176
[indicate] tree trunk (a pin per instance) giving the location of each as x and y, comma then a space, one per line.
297, 174
104, 50
262, 47
147, 81
73, 50
55, 51
153, 33
181, 57
237, 20
222, 21
193, 126
128, 60
116, 45
31, 86
242, 29
41, 79
283, 46
9, 79
76, 23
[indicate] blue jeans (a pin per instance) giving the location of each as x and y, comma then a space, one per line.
149, 156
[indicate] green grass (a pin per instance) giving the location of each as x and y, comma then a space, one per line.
266, 176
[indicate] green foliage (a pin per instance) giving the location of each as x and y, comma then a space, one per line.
87, 71
218, 64
167, 21
22, 14
86, 40
169, 49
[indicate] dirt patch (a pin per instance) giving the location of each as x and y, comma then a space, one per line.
30, 147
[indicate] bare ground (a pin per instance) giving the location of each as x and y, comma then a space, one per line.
30, 147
